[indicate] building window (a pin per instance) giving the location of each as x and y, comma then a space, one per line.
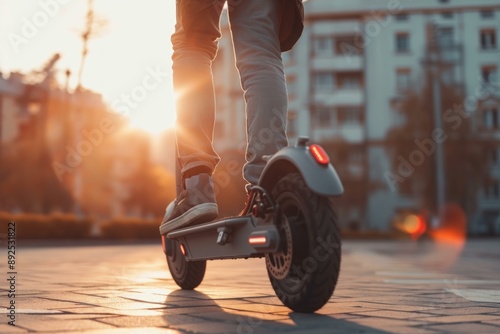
491, 118
494, 157
323, 81
401, 17
489, 73
487, 14
322, 46
488, 39
350, 115
448, 75
447, 15
346, 45
402, 42
403, 77
324, 117
492, 189
445, 37
349, 80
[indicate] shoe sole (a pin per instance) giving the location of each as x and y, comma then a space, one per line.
205, 211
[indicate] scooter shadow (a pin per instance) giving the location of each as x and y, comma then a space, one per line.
194, 311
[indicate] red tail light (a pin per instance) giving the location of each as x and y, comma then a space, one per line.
183, 251
319, 154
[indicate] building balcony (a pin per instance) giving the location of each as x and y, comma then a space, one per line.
340, 97
338, 63
350, 133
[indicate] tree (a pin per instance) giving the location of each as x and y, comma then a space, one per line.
29, 183
94, 26
413, 143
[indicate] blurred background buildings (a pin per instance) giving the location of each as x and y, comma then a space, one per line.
369, 80
68, 152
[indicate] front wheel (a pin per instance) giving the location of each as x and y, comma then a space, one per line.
305, 269
187, 274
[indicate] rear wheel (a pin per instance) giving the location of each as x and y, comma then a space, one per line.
187, 274
305, 270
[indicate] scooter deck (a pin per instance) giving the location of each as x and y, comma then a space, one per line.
225, 222
227, 238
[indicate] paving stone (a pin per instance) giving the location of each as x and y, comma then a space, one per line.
227, 317
391, 307
271, 300
391, 314
133, 306
8, 329
190, 310
476, 328
406, 327
137, 321
42, 324
260, 308
344, 310
461, 318
148, 297
141, 330
211, 327
105, 310
463, 311
492, 322
69, 316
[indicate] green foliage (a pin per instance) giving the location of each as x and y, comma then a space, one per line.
54, 226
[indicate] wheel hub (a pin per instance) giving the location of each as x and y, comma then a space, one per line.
280, 262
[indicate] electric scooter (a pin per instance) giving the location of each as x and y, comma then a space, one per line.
288, 219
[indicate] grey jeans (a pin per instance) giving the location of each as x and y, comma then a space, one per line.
254, 29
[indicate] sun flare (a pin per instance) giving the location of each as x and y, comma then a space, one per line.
120, 57
153, 121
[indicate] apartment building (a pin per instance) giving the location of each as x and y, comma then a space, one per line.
353, 62
11, 115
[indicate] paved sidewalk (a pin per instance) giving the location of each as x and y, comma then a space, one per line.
384, 287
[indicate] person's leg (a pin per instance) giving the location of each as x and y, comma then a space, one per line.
255, 27
195, 46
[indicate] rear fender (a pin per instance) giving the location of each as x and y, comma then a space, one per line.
321, 179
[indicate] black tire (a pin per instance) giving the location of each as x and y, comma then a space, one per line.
187, 274
314, 262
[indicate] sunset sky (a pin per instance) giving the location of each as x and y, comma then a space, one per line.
135, 43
